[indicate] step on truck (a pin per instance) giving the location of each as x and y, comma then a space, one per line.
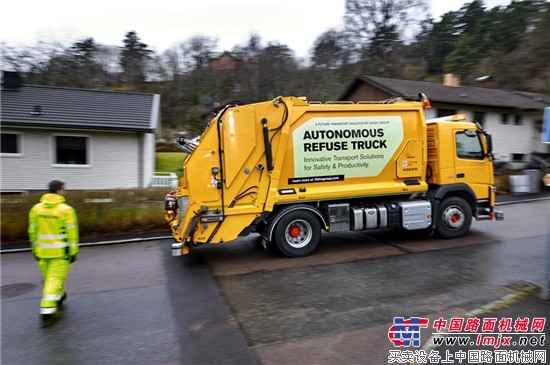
289, 169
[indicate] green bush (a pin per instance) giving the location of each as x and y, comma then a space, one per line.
100, 212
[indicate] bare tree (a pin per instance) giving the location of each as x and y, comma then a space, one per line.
45, 63
14, 59
330, 56
108, 58
197, 50
279, 68
171, 63
378, 27
250, 72
330, 51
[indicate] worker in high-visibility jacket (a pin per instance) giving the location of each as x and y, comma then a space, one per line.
53, 233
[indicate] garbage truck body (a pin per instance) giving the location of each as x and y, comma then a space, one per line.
289, 169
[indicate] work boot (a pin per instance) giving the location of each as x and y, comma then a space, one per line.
61, 301
48, 319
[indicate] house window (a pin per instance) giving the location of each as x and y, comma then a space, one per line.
504, 119
517, 120
518, 157
445, 112
479, 117
11, 143
468, 146
71, 150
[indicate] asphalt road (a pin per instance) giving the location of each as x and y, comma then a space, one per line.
235, 304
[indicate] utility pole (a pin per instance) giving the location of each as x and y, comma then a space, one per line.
544, 294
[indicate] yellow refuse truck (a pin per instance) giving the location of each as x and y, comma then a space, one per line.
289, 169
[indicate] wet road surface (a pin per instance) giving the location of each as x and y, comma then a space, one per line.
236, 304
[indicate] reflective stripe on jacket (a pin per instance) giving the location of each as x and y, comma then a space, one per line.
53, 227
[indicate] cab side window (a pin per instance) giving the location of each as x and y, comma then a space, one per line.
468, 146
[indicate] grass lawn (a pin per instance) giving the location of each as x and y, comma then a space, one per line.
170, 162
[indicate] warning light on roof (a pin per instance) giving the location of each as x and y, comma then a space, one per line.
458, 117
449, 118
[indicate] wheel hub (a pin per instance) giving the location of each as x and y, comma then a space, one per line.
298, 233
294, 231
454, 217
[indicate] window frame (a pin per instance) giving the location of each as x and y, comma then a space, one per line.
442, 112
19, 145
88, 149
479, 117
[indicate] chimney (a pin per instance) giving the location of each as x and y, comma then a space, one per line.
11, 81
451, 80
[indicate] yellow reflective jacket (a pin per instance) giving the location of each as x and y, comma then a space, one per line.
53, 228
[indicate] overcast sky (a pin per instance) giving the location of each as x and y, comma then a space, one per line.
163, 23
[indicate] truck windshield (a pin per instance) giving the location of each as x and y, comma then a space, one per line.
468, 146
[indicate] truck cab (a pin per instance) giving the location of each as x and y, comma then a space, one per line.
460, 164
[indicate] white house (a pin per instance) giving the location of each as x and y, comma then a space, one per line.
89, 139
513, 118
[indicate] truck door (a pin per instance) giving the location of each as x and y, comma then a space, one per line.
472, 166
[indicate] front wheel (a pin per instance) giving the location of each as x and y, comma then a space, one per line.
298, 233
454, 217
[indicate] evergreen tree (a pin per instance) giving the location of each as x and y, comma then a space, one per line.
134, 58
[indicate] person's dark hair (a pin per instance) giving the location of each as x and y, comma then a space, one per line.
56, 185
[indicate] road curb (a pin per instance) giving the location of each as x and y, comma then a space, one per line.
100, 243
520, 200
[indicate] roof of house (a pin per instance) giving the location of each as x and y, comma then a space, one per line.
216, 55
48, 106
438, 92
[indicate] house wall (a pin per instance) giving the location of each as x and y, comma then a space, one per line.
113, 161
508, 139
149, 159
364, 92
224, 62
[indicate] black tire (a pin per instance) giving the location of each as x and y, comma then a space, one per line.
454, 217
297, 233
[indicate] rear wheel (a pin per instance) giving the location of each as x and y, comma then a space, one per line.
298, 233
454, 217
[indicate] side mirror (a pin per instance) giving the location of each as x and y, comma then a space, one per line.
489, 140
